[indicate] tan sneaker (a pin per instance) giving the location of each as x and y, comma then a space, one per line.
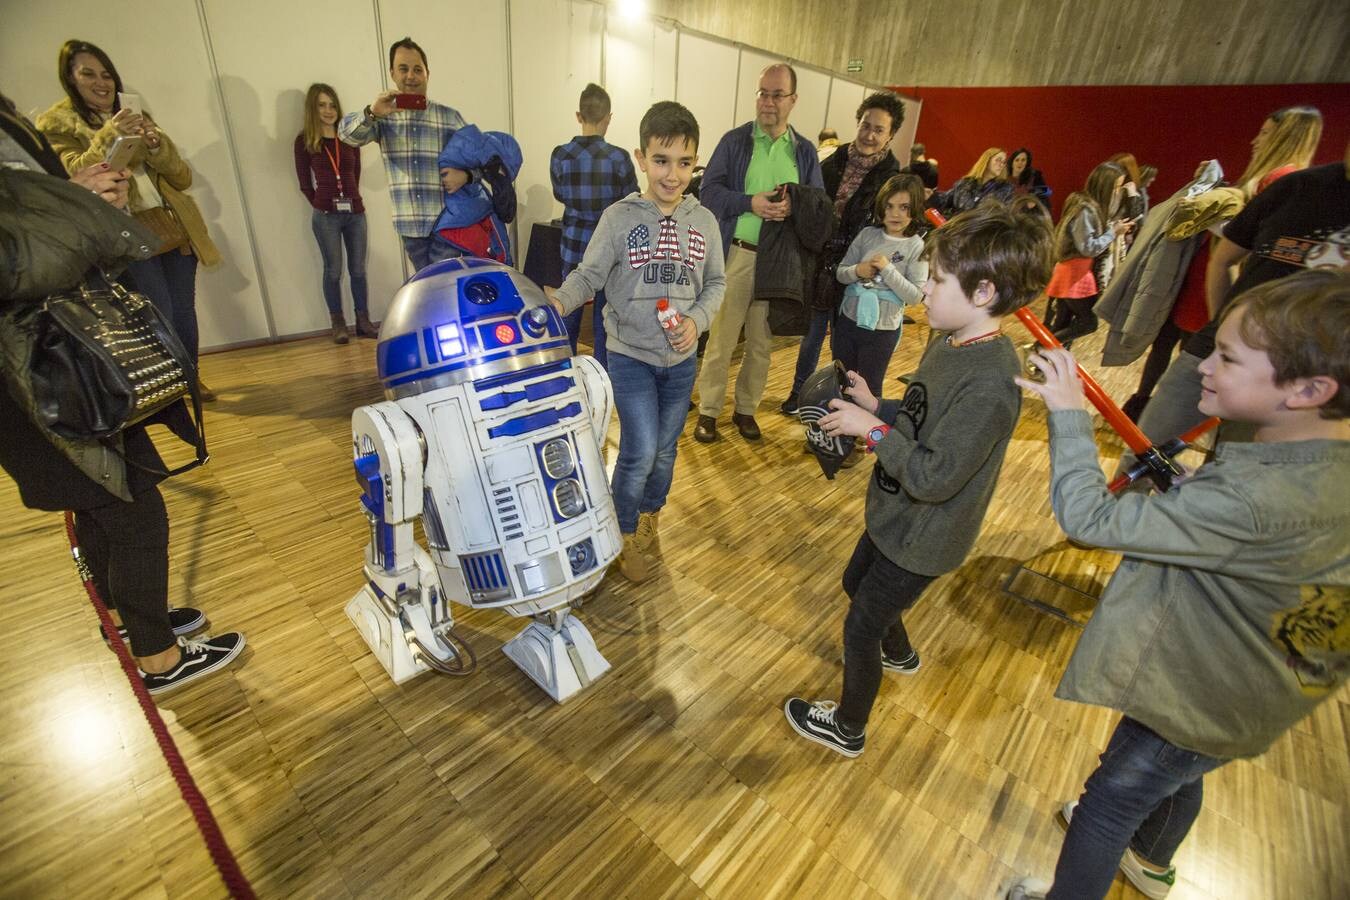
632, 563
645, 538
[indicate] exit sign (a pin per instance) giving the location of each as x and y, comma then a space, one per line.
855, 65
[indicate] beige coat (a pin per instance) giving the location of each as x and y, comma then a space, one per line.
80, 145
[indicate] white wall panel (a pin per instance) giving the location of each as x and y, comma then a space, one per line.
808, 116
174, 78
707, 85
842, 115
555, 53
264, 74
639, 70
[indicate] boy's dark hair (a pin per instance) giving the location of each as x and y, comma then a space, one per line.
1010, 249
594, 105
408, 44
65, 70
911, 186
1301, 321
887, 103
666, 121
827, 134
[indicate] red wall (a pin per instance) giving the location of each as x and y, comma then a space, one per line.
1071, 129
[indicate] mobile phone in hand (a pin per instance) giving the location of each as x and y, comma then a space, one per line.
777, 196
119, 155
410, 101
130, 102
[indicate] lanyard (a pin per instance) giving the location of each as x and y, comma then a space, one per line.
335, 163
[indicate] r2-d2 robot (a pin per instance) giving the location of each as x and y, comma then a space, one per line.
491, 432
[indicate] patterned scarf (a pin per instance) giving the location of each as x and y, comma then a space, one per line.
855, 170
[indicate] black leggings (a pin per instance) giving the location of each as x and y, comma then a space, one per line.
1073, 318
1159, 356
879, 591
127, 548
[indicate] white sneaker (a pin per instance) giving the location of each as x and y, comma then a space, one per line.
1154, 885
1024, 889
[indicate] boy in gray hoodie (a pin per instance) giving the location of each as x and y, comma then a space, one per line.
648, 247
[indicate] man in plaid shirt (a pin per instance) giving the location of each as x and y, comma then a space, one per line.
411, 140
588, 175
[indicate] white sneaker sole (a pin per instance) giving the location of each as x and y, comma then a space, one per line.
812, 736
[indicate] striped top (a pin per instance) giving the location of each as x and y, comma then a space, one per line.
318, 180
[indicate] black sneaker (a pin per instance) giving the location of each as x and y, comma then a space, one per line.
200, 658
789, 406
907, 666
815, 722
183, 619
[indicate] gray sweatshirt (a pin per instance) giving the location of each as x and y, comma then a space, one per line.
638, 256
937, 467
904, 276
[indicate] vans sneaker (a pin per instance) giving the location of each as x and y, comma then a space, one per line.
1154, 885
815, 722
183, 619
907, 666
200, 658
1025, 889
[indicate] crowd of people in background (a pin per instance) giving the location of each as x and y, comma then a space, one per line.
848, 238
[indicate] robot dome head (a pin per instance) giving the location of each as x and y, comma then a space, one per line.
813, 404
463, 320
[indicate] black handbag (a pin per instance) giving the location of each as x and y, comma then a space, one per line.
105, 359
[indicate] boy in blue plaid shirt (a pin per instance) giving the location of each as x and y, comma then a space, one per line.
410, 140
588, 175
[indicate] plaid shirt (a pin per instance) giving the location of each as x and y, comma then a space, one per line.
588, 175
410, 140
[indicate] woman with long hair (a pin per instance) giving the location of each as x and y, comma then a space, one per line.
1026, 178
987, 178
330, 178
1084, 234
82, 128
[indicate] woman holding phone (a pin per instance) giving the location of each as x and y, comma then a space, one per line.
84, 129
330, 179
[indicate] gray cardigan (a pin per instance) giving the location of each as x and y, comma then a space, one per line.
1141, 295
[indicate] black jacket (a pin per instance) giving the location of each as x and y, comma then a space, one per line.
827, 292
785, 262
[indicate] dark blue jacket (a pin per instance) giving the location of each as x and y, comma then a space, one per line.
723, 187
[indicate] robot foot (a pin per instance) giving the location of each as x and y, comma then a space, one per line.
562, 661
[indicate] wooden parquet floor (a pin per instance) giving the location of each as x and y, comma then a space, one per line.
675, 775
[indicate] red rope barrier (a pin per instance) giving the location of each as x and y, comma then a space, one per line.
220, 851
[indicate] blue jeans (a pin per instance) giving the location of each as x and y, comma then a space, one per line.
170, 281
866, 352
808, 354
653, 402
423, 251
1145, 794
573, 320
332, 231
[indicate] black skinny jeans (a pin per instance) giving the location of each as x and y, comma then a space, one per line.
866, 352
879, 591
1073, 318
127, 548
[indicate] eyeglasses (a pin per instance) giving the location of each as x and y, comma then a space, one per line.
775, 96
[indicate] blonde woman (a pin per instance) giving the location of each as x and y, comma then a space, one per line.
987, 178
330, 178
82, 129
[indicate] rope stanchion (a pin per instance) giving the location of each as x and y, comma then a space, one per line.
221, 855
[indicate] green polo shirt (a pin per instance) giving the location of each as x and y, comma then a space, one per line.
772, 162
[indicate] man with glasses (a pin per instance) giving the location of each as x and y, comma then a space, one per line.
742, 186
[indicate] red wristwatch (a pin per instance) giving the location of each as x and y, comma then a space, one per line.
875, 435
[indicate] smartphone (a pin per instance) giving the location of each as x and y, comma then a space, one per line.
131, 102
410, 101
777, 196
119, 156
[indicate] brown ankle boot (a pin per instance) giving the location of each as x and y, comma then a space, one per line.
364, 327
339, 329
632, 564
